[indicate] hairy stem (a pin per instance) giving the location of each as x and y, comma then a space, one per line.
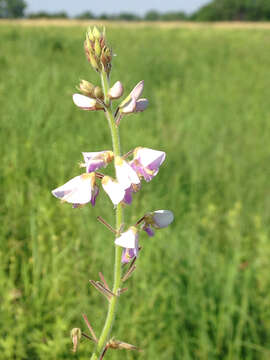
119, 220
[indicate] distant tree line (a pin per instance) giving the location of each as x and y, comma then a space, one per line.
216, 10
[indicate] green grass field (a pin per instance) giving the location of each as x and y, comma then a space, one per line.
202, 286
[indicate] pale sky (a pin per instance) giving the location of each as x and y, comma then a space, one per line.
75, 7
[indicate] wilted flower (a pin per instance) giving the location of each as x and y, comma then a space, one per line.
146, 162
115, 191
132, 103
157, 220
129, 240
96, 160
78, 191
116, 91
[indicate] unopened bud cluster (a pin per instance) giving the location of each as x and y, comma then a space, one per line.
97, 52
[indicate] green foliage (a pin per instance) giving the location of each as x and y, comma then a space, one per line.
12, 8
227, 10
46, 15
201, 288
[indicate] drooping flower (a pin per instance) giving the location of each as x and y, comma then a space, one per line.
96, 160
86, 103
157, 220
129, 240
80, 190
146, 162
132, 103
114, 190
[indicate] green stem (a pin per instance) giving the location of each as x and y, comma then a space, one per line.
119, 220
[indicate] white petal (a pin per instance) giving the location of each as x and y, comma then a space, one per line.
91, 155
129, 107
137, 91
128, 239
148, 156
163, 218
76, 191
113, 189
125, 175
84, 102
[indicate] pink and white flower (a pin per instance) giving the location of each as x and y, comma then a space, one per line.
146, 162
96, 160
129, 240
80, 190
132, 103
157, 220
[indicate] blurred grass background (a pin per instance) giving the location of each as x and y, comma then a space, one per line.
201, 290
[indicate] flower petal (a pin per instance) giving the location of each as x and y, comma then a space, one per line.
137, 91
163, 218
113, 189
77, 190
128, 239
116, 91
84, 102
141, 105
125, 175
149, 157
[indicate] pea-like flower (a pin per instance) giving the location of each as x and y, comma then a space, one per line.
132, 103
129, 240
95, 160
80, 190
157, 220
146, 162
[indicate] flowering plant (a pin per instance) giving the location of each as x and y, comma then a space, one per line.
129, 174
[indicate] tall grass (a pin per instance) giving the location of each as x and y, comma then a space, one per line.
201, 290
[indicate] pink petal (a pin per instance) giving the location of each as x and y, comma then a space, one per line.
116, 91
137, 91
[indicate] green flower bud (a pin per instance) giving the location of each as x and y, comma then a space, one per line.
98, 93
97, 48
87, 88
96, 33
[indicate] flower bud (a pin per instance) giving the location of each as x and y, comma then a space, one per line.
116, 91
98, 53
98, 93
86, 88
